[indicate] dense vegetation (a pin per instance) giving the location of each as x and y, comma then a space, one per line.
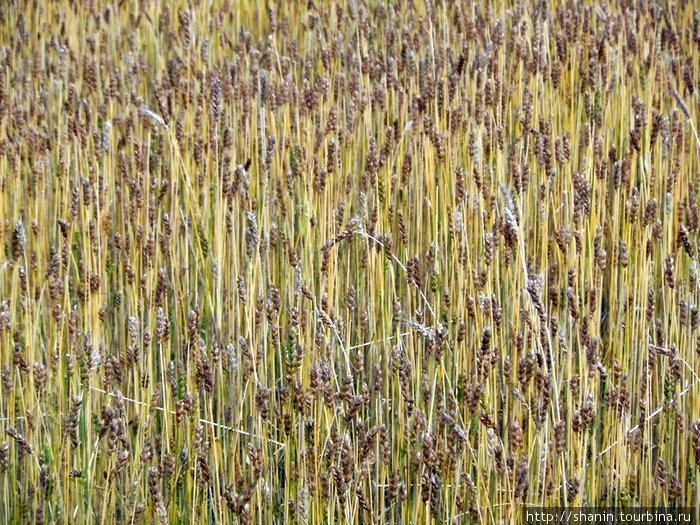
347, 261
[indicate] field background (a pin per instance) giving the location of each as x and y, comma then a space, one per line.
347, 262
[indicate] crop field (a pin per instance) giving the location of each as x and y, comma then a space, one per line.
347, 261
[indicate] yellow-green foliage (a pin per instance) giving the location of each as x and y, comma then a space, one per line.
346, 261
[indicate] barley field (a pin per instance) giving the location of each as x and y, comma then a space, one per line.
347, 261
